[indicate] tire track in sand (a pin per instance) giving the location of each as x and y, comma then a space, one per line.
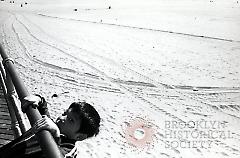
142, 28
126, 90
152, 81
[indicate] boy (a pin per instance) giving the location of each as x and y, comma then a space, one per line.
78, 122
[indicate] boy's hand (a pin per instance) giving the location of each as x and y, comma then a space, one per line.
36, 101
47, 124
30, 100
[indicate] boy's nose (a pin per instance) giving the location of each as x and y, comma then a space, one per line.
62, 118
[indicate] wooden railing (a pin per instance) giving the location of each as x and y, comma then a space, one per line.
14, 85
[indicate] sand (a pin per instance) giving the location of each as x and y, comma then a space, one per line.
156, 66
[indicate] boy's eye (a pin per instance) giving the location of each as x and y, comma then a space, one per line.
64, 114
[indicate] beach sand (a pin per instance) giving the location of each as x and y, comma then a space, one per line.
160, 66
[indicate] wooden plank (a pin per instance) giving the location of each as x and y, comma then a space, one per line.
5, 126
5, 117
5, 114
2, 98
6, 136
3, 103
6, 131
4, 110
7, 122
3, 142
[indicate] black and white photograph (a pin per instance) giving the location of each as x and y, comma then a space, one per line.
120, 79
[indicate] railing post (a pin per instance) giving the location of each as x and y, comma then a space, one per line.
44, 137
13, 102
14, 123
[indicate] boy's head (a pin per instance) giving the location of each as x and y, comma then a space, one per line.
79, 121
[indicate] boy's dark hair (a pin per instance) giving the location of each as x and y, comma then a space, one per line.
90, 119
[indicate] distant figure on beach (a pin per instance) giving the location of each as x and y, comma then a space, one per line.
78, 122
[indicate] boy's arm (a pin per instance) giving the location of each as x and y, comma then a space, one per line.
16, 146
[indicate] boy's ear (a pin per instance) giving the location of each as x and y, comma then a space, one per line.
81, 136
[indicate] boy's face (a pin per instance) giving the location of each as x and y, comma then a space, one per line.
69, 124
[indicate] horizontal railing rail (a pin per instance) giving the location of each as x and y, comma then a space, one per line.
44, 137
